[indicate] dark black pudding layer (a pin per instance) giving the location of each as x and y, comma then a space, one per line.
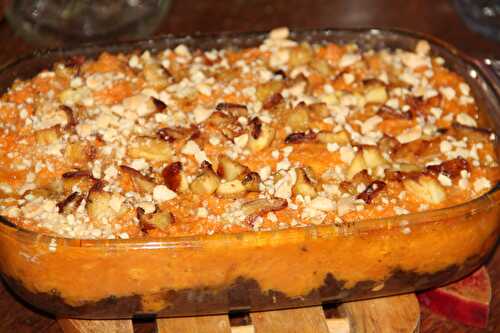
242, 295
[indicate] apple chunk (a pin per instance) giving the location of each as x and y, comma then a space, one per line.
466, 301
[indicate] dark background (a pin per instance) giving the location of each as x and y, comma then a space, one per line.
436, 17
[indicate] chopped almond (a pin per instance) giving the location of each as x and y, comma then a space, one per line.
152, 149
175, 178
205, 183
229, 169
425, 188
142, 183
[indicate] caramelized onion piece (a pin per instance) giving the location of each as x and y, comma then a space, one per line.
451, 168
371, 191
274, 100
387, 112
171, 134
253, 209
159, 104
70, 203
229, 106
300, 137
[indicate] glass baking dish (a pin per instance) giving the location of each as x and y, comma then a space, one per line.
256, 270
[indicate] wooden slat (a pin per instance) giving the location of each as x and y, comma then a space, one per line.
96, 326
206, 324
388, 314
303, 320
338, 325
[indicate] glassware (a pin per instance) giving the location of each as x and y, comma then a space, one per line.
482, 16
57, 22
255, 270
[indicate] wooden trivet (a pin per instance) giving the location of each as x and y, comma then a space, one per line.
389, 314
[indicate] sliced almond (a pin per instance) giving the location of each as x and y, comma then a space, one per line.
149, 148
175, 178
82, 180
229, 169
425, 188
142, 183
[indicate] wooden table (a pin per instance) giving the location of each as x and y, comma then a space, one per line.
188, 16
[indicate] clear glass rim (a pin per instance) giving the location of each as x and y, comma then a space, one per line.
469, 208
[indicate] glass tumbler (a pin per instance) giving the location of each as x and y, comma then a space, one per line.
57, 22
